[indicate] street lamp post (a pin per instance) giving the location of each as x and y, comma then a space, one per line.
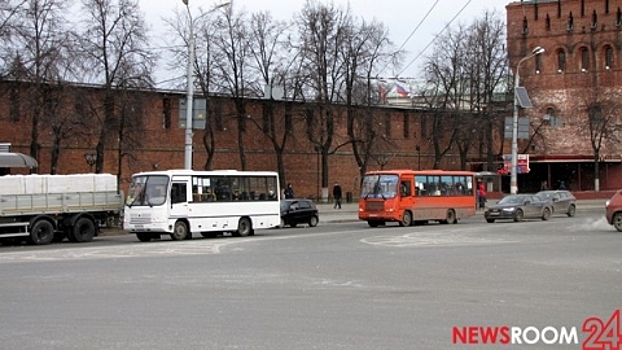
190, 86
189, 91
513, 175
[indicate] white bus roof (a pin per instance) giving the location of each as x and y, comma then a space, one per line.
225, 172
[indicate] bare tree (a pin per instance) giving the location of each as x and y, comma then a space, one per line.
444, 71
464, 72
114, 48
9, 21
267, 48
321, 30
367, 46
64, 120
231, 73
40, 40
488, 71
602, 123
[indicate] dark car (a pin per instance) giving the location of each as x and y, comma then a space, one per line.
563, 201
518, 207
614, 211
298, 211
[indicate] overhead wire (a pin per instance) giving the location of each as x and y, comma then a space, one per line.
435, 37
413, 32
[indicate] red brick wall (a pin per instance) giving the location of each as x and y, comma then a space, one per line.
163, 148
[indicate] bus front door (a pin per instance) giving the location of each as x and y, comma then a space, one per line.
179, 200
407, 196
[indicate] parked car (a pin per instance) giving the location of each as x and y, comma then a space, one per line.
562, 201
298, 211
614, 211
518, 207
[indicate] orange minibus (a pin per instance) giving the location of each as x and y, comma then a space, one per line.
416, 196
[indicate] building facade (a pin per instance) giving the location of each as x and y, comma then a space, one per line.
575, 88
578, 74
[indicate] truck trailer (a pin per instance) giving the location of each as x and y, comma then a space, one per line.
47, 208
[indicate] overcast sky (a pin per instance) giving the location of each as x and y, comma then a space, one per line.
401, 17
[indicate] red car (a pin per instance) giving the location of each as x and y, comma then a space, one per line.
614, 211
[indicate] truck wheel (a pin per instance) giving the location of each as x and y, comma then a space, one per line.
84, 230
42, 232
245, 228
180, 232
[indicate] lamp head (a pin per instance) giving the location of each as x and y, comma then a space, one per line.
538, 50
185, 2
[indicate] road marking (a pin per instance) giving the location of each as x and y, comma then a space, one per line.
198, 247
437, 238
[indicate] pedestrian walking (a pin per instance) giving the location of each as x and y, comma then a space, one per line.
337, 196
481, 195
289, 191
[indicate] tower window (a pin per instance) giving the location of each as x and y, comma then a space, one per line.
585, 59
608, 57
561, 61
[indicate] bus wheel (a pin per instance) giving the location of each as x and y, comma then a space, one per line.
143, 236
244, 228
84, 230
407, 219
42, 232
450, 217
180, 232
373, 223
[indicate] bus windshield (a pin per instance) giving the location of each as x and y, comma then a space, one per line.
148, 190
379, 186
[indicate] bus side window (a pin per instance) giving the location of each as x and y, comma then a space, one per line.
405, 189
178, 193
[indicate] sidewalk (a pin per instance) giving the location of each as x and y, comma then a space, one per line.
349, 211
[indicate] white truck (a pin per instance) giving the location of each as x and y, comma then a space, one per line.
46, 208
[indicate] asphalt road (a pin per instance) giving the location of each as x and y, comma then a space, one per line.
336, 286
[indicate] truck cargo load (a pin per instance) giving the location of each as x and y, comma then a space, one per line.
46, 208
